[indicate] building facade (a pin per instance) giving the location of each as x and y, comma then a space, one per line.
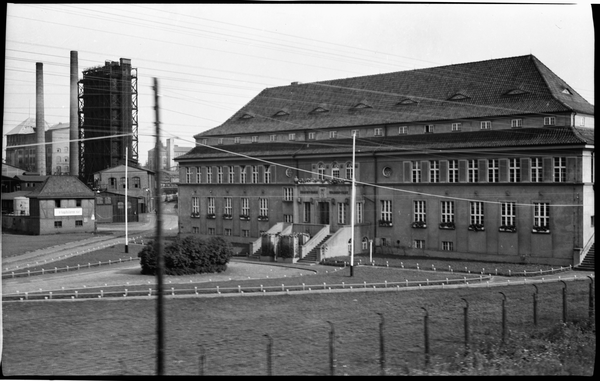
489, 160
140, 183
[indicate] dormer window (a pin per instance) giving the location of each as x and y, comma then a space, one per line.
377, 132
407, 101
254, 139
361, 105
515, 92
319, 109
236, 140
428, 128
282, 112
458, 97
247, 116
567, 91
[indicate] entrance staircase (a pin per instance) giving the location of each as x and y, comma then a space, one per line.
588, 263
311, 257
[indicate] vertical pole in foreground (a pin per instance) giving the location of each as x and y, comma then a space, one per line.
353, 205
126, 202
160, 331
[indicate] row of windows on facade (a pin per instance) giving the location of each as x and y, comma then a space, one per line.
113, 184
59, 224
472, 168
541, 211
402, 130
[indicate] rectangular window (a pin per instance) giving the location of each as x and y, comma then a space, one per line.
292, 137
220, 141
188, 175
230, 173
541, 214
321, 172
227, 231
493, 171
349, 171
211, 205
434, 171
204, 142
507, 214
245, 233
255, 174
242, 174
228, 210
515, 123
196, 230
335, 172
359, 214
245, 206
78, 222
124, 183
354, 133
486, 125
377, 132
514, 170
416, 171
311, 136
57, 203
428, 128
473, 171
58, 224
341, 207
263, 207
254, 139
452, 171
306, 214
386, 210
273, 138
447, 246
549, 121
402, 130
236, 140
476, 208
288, 218
447, 211
267, 174
560, 169
209, 175
78, 202
456, 126
196, 206
536, 169
332, 134
212, 231
419, 243
219, 175
419, 211
288, 194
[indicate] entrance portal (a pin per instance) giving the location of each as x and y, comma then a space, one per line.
323, 213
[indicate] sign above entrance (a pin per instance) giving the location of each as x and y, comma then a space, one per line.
61, 212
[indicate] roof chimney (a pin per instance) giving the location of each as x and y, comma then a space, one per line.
40, 131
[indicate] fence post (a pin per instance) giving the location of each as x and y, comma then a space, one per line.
466, 324
503, 317
381, 346
535, 320
331, 349
564, 298
591, 298
426, 335
269, 349
201, 360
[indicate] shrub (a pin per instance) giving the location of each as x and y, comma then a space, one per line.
189, 255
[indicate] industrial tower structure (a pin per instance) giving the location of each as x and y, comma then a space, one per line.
107, 113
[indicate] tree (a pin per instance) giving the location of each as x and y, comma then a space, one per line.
189, 255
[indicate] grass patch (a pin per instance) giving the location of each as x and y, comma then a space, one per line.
17, 244
118, 337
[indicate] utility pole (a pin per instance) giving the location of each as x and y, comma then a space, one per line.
353, 205
160, 331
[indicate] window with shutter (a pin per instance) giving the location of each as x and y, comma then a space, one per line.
525, 170
548, 170
462, 171
503, 170
407, 171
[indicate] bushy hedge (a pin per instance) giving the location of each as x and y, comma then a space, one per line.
189, 255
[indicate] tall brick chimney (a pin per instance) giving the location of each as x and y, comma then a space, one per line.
73, 119
40, 131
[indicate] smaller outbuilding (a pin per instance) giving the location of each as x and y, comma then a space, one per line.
110, 207
61, 204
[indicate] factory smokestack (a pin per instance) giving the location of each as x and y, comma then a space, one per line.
40, 131
73, 119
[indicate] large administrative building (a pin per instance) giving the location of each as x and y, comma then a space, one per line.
489, 160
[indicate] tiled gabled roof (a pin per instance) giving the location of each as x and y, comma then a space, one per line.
554, 136
62, 187
26, 127
487, 85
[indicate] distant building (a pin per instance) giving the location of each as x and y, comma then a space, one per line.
167, 155
58, 143
110, 207
489, 161
61, 204
21, 147
141, 184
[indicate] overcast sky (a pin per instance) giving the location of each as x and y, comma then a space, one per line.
212, 59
